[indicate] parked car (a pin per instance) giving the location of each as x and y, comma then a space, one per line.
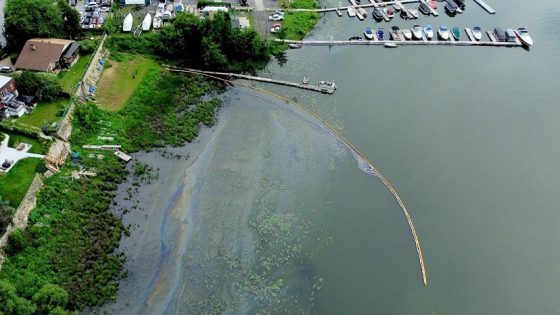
105, 9
91, 4
6, 69
276, 17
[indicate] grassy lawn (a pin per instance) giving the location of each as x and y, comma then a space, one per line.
296, 25
44, 113
120, 79
36, 146
14, 185
69, 79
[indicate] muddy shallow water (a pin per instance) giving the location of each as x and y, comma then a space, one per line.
234, 227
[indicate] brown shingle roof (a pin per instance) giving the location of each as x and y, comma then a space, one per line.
38, 53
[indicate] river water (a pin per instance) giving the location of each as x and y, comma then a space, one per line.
270, 214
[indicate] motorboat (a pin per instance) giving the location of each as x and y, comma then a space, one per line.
395, 33
127, 23
355, 38
295, 45
432, 4
477, 32
456, 33
417, 32
407, 34
351, 12
524, 36
389, 12
460, 4
368, 33
390, 45
377, 14
380, 33
396, 7
451, 7
160, 9
429, 31
305, 80
414, 13
147, 22
443, 32
157, 22
424, 8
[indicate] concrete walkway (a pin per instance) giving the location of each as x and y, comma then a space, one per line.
11, 154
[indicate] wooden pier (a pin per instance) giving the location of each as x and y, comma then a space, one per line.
452, 42
485, 6
321, 88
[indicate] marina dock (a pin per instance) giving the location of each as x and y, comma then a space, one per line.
321, 87
452, 42
485, 6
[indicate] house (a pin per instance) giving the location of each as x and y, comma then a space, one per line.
47, 54
9, 105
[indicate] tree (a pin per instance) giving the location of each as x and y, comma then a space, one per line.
6, 213
71, 18
43, 85
25, 19
49, 298
11, 303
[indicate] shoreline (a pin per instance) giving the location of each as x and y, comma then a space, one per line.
171, 234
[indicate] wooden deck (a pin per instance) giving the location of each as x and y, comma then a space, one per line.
310, 87
485, 6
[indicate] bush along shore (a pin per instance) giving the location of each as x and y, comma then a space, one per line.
65, 260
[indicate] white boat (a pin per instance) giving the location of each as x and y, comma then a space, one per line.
524, 36
391, 45
368, 33
127, 24
443, 32
407, 34
351, 12
160, 9
147, 22
414, 13
477, 32
417, 32
167, 15
429, 31
157, 22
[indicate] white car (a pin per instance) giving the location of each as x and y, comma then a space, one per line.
6, 69
105, 9
91, 4
276, 17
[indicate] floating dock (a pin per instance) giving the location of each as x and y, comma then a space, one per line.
485, 6
470, 34
321, 88
452, 42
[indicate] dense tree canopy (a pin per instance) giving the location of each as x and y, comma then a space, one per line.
213, 44
25, 19
43, 85
6, 213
